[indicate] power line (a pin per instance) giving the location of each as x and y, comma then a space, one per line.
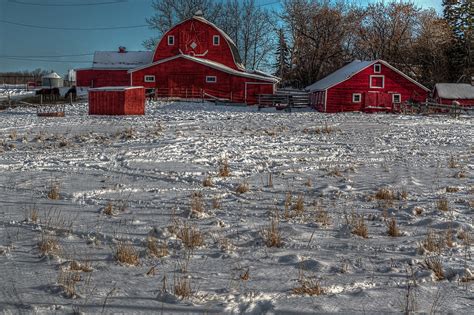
74, 29
50, 56
66, 4
46, 60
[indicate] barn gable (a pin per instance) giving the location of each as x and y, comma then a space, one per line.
199, 38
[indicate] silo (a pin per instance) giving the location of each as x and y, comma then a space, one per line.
52, 80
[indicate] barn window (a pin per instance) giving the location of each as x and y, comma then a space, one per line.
170, 40
377, 68
149, 78
356, 98
216, 40
377, 81
396, 98
211, 79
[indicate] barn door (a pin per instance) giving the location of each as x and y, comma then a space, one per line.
377, 100
184, 86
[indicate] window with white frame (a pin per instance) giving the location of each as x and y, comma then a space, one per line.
356, 98
396, 98
216, 39
211, 79
377, 68
377, 81
149, 78
171, 40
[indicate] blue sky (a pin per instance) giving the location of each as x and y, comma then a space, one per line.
21, 42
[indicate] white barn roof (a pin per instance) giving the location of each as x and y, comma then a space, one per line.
52, 75
455, 90
116, 60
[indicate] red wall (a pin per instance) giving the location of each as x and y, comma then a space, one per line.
448, 101
101, 78
201, 33
339, 98
117, 102
183, 78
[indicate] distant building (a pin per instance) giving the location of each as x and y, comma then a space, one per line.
447, 93
368, 86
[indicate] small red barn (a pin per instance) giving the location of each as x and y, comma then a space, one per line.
109, 68
196, 59
447, 93
117, 101
368, 86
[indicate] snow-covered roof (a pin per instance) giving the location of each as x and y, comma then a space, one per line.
212, 64
116, 60
115, 88
52, 75
350, 70
455, 90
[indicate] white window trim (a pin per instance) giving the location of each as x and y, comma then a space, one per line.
214, 40
399, 98
211, 79
379, 67
377, 76
149, 78
171, 39
354, 95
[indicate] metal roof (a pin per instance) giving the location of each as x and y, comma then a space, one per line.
455, 90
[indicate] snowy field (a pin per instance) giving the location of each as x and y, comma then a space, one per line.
130, 214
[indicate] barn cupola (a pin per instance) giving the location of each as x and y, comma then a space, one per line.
122, 49
199, 14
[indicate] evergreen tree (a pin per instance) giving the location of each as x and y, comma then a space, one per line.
282, 65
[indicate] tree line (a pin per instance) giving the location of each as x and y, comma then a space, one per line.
305, 40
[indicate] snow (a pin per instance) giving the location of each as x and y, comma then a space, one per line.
455, 90
152, 164
52, 75
125, 61
340, 75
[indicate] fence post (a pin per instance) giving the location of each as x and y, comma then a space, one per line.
41, 99
70, 98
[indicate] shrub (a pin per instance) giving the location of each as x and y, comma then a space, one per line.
191, 236
435, 264
224, 169
272, 234
207, 182
127, 254
243, 188
67, 281
442, 204
49, 245
307, 286
392, 228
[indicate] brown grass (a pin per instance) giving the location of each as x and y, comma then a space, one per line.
67, 280
156, 249
216, 203
442, 204
384, 194
32, 215
243, 188
207, 182
182, 286
307, 286
433, 242
418, 210
224, 168
298, 207
270, 180
49, 245
435, 264
335, 172
308, 182
357, 224
54, 191
452, 189
127, 254
197, 203
392, 228
85, 266
272, 234
453, 162
191, 236
322, 216
109, 209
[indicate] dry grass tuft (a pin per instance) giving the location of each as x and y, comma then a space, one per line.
86, 266
308, 286
49, 245
109, 209
452, 189
385, 194
54, 191
335, 172
435, 264
127, 254
197, 203
392, 228
433, 242
272, 234
191, 236
418, 210
453, 162
243, 188
224, 168
442, 204
360, 228
207, 182
298, 207
156, 249
309, 182
182, 286
67, 280
32, 215
216, 203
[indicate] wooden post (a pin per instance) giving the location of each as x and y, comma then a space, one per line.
70, 98
41, 99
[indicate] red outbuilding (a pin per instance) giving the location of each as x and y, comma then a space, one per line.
117, 101
368, 86
194, 59
447, 93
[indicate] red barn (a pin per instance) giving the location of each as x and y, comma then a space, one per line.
368, 86
117, 101
194, 59
447, 93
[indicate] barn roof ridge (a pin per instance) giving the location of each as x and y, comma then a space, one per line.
118, 60
212, 64
351, 69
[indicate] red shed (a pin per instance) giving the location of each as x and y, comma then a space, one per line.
368, 86
447, 93
197, 59
117, 101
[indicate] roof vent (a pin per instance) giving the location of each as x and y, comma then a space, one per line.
122, 49
199, 13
